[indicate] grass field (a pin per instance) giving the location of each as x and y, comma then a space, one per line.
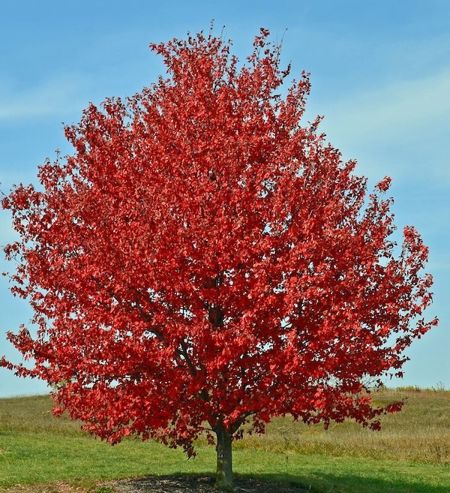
40, 453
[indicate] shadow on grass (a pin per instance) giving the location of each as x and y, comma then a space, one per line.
276, 483
200, 483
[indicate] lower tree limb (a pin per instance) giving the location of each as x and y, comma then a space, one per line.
224, 473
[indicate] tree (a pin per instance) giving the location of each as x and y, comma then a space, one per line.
204, 260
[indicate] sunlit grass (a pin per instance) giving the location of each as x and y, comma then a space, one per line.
410, 454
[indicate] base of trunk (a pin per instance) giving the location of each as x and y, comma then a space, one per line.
224, 473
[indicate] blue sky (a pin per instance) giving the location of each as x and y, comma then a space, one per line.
380, 74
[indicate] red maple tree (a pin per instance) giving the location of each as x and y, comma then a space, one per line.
205, 260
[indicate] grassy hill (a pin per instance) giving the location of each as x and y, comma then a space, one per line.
43, 454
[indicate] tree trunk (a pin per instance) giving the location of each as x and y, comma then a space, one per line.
224, 474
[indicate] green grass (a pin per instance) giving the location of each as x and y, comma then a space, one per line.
411, 454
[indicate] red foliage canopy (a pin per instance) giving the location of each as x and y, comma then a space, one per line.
203, 257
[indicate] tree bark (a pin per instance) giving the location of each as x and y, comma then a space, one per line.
224, 473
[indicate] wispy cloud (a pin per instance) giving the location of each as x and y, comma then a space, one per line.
56, 96
399, 109
404, 125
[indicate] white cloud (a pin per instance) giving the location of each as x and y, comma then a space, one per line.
397, 109
57, 96
402, 127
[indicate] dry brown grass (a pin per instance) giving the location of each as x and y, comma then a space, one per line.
57, 487
420, 432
